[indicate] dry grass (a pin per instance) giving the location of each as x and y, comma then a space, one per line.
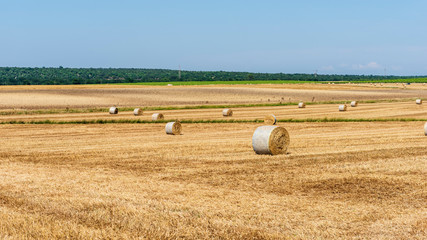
80, 181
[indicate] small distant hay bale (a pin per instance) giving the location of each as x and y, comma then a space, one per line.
342, 108
227, 112
157, 116
114, 110
270, 119
137, 111
354, 104
419, 101
301, 105
425, 129
170, 85
270, 140
173, 128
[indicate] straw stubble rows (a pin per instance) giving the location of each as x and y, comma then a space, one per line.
132, 180
363, 111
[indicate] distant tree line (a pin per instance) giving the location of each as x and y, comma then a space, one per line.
64, 76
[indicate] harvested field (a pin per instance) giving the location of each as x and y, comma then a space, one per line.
62, 181
43, 97
365, 110
338, 180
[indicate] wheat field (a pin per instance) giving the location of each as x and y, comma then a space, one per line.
338, 180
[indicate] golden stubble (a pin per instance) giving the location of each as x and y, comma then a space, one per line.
339, 180
93, 96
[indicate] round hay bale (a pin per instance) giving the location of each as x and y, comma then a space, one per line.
173, 128
170, 85
270, 140
270, 119
157, 116
419, 101
342, 108
425, 129
301, 105
114, 110
227, 112
354, 104
137, 111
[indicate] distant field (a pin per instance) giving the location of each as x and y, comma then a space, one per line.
408, 80
189, 83
103, 96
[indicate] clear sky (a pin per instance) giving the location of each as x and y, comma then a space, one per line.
330, 36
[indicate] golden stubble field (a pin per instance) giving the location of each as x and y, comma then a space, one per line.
87, 96
364, 180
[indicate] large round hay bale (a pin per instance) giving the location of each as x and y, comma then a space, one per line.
227, 112
301, 105
114, 110
157, 116
419, 101
270, 119
137, 111
173, 128
342, 107
270, 140
354, 104
425, 129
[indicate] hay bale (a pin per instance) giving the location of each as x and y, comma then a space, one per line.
301, 105
270, 119
270, 140
227, 112
419, 101
342, 107
170, 85
114, 110
157, 116
173, 128
425, 129
137, 111
354, 104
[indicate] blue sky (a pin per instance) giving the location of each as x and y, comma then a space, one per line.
332, 37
